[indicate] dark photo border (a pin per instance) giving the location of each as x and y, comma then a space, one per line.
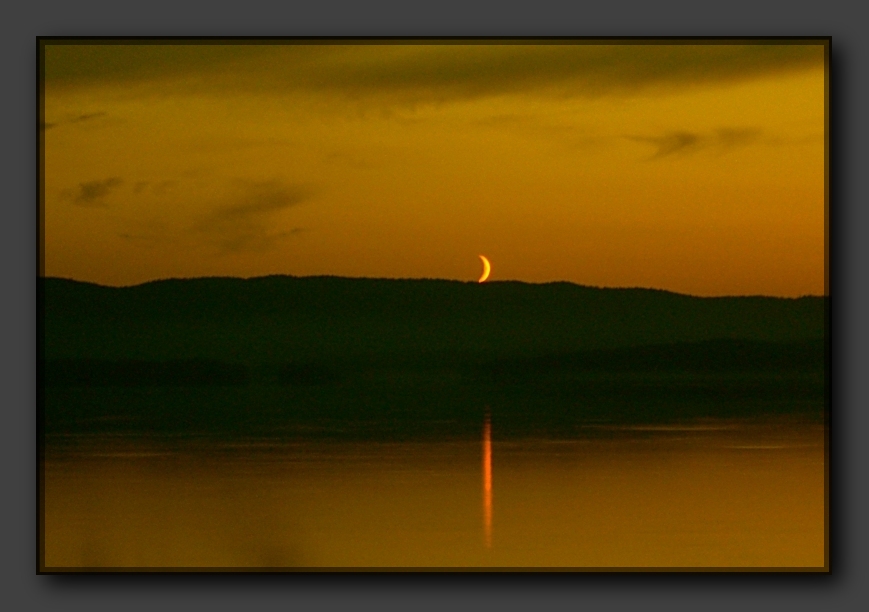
41, 42
843, 588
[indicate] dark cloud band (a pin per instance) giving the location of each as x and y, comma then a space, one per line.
415, 73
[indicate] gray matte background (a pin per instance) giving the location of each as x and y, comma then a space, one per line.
844, 589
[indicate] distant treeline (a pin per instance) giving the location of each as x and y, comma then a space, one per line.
711, 357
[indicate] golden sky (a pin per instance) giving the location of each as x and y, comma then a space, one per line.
697, 168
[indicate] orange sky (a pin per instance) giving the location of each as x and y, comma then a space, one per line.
696, 168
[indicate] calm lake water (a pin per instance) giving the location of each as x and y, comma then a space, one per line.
717, 494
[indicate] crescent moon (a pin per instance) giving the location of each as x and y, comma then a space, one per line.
487, 267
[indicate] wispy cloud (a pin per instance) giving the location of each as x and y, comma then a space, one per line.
244, 221
684, 142
87, 117
93, 193
255, 240
262, 198
80, 118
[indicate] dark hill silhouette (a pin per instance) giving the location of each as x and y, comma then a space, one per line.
321, 317
342, 354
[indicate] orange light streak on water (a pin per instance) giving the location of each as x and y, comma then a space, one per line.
487, 482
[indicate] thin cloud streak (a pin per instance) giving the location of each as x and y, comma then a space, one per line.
93, 193
263, 198
243, 224
684, 142
46, 125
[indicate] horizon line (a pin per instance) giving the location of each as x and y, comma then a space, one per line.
422, 279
